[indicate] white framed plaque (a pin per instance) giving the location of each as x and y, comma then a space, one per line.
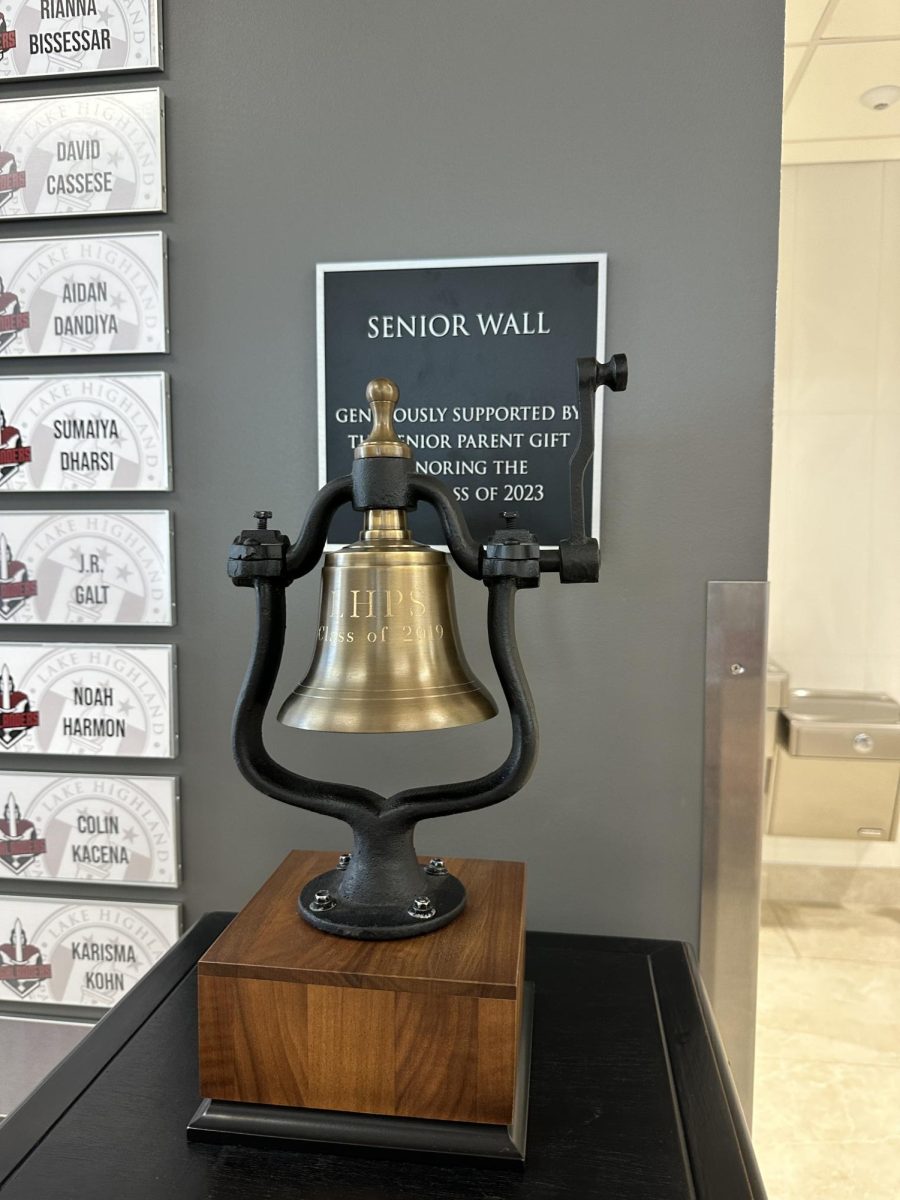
85, 433
103, 829
83, 295
82, 952
89, 153
78, 37
86, 568
106, 700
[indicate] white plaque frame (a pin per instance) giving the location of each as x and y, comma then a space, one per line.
73, 698
18, 61
105, 830
87, 568
106, 132
127, 418
86, 953
90, 294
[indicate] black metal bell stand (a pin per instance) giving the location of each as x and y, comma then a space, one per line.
380, 891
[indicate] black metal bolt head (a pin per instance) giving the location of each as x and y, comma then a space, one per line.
510, 518
262, 516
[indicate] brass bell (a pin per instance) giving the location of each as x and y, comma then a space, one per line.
387, 656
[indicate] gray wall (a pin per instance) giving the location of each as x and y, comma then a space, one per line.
303, 132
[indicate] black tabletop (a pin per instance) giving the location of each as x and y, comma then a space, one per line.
630, 1099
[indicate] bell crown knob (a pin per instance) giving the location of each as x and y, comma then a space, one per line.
383, 441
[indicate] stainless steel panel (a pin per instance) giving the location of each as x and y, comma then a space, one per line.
856, 725
31, 1048
732, 815
777, 680
833, 797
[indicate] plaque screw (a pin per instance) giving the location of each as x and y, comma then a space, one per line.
436, 867
262, 516
322, 901
510, 518
422, 908
344, 862
738, 669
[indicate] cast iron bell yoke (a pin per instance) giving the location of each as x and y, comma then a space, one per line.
382, 679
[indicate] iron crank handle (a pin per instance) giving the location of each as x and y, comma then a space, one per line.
578, 557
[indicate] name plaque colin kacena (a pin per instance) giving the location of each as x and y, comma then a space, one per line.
484, 353
83, 952
106, 700
86, 568
78, 37
103, 829
83, 295
91, 153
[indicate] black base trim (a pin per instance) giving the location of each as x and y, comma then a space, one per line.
309, 1128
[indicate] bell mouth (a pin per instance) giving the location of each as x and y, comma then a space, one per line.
339, 711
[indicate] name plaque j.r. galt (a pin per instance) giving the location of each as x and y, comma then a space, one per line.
86, 568
91, 153
102, 829
83, 952
85, 433
83, 295
106, 700
78, 37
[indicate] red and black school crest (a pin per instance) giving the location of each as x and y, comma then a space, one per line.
16, 715
12, 319
7, 37
15, 585
22, 966
12, 180
19, 843
12, 451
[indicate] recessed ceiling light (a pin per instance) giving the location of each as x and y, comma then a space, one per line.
881, 97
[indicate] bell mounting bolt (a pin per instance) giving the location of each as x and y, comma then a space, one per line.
381, 891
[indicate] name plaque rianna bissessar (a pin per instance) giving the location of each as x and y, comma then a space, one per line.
91, 153
83, 952
106, 700
102, 829
86, 568
83, 295
78, 37
85, 433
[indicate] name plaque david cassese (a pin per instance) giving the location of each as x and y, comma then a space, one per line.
107, 700
80, 155
85, 433
82, 952
484, 353
83, 295
86, 568
101, 829
79, 37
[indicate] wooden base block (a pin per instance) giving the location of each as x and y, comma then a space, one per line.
425, 1028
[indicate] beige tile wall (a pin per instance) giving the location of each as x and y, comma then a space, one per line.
834, 558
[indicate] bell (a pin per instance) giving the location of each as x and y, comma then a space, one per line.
387, 657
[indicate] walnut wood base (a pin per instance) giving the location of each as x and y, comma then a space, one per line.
427, 1028
315, 1129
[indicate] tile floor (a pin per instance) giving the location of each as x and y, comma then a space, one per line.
826, 1121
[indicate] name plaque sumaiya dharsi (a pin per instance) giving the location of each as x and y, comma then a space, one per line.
102, 829
79, 37
106, 700
82, 952
83, 295
86, 568
85, 433
90, 153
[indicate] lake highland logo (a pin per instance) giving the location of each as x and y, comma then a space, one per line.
16, 588
16, 715
12, 180
7, 38
12, 453
19, 844
12, 319
22, 966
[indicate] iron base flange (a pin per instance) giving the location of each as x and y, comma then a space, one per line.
380, 922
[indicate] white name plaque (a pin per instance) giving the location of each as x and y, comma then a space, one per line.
78, 37
83, 295
104, 829
106, 700
83, 952
74, 156
86, 568
84, 433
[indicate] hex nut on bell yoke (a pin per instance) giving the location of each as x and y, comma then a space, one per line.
381, 891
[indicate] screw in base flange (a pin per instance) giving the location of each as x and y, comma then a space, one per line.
445, 895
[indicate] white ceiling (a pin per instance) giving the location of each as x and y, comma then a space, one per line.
835, 50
